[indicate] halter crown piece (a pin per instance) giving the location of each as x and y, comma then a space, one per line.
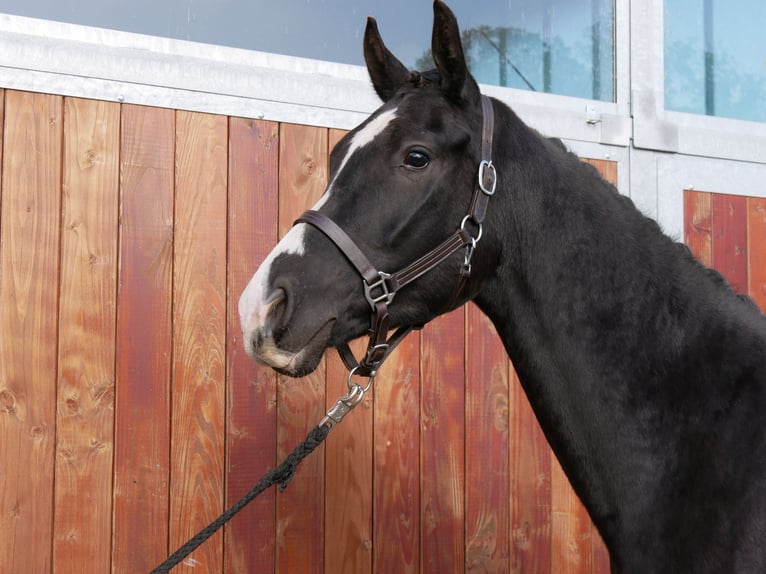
380, 287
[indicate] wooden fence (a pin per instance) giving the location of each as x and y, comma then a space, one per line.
130, 416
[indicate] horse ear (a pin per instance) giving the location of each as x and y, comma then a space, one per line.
447, 50
386, 72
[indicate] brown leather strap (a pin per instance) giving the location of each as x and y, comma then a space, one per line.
430, 260
343, 242
363, 368
397, 280
487, 178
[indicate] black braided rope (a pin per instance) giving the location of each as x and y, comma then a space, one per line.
280, 475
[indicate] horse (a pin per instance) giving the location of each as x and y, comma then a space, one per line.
646, 371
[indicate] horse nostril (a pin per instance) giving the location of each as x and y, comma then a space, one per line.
276, 305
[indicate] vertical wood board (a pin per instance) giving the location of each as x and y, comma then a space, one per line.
199, 335
442, 444
86, 350
29, 265
144, 339
729, 246
756, 250
396, 510
487, 442
300, 402
251, 388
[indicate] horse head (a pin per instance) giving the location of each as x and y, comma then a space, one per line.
400, 183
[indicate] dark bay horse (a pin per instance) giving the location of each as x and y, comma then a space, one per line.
645, 370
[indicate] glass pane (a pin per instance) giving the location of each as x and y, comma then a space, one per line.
559, 46
715, 58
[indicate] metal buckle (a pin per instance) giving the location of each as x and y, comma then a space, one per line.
483, 167
385, 294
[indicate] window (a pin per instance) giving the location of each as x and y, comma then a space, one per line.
715, 58
557, 46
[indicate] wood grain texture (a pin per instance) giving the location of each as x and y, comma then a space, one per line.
29, 267
607, 168
252, 389
86, 350
199, 335
301, 402
729, 246
530, 484
756, 250
142, 398
698, 225
570, 527
442, 445
348, 465
348, 476
486, 443
396, 512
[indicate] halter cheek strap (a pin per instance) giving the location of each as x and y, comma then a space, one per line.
380, 287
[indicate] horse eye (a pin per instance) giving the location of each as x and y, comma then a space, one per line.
416, 159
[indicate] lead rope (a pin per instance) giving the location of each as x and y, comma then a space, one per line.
280, 475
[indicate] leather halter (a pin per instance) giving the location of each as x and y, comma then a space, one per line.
380, 288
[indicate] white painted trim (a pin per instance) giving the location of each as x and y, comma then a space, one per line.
659, 129
68, 59
39, 55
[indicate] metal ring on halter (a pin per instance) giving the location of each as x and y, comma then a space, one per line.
352, 386
475, 240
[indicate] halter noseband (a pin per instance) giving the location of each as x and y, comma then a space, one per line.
380, 288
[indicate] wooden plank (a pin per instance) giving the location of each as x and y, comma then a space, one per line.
729, 245
348, 465
252, 389
486, 444
442, 443
530, 475
570, 527
29, 267
199, 335
86, 350
142, 398
698, 225
396, 478
607, 169
301, 402
348, 476
2, 123
756, 250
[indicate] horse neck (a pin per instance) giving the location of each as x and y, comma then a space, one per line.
577, 276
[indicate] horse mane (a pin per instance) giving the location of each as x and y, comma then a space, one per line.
682, 251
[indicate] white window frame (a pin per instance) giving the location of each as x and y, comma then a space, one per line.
655, 127
68, 59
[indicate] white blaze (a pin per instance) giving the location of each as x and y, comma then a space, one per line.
361, 138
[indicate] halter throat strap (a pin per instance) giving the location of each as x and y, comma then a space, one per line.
380, 287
